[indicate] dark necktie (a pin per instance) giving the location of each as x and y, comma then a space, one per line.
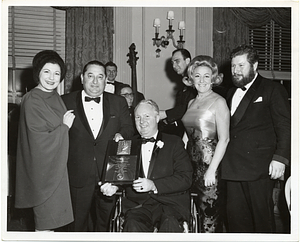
95, 99
145, 140
112, 83
243, 88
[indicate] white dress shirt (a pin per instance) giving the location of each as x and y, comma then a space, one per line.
238, 96
109, 87
147, 150
94, 113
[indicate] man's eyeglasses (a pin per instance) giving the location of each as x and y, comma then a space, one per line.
127, 95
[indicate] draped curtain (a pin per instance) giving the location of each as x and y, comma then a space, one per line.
231, 28
89, 36
257, 17
228, 32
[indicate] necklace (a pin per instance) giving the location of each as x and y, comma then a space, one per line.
202, 95
199, 98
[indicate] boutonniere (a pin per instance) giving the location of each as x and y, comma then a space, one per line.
160, 144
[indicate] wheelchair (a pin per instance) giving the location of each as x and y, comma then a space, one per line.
117, 217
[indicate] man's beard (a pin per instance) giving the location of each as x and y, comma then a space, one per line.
245, 80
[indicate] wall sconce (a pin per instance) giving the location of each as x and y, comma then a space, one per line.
164, 41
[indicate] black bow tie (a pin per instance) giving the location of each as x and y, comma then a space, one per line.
145, 140
243, 88
112, 83
95, 99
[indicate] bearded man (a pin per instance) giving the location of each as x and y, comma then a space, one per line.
259, 147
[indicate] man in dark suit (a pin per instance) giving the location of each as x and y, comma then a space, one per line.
112, 86
259, 147
171, 118
100, 117
160, 196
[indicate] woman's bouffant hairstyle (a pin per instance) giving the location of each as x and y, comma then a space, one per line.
44, 57
204, 60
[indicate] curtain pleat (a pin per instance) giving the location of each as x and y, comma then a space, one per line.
231, 28
228, 33
89, 36
257, 17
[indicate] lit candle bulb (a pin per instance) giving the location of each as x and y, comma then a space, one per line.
181, 27
170, 17
156, 24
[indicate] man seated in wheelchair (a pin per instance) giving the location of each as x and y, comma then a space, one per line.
160, 197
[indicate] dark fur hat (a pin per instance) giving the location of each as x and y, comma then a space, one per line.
44, 57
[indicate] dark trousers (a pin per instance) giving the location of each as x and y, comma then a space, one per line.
152, 214
91, 208
250, 207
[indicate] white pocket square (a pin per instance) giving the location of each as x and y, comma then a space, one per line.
258, 100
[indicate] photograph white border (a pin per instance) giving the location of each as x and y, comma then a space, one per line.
34, 236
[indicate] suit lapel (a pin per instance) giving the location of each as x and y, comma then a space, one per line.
241, 109
141, 174
154, 154
106, 113
82, 115
229, 96
117, 87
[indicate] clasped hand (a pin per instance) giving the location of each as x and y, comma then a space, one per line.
143, 185
68, 118
108, 189
139, 185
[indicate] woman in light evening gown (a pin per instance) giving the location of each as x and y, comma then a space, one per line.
207, 125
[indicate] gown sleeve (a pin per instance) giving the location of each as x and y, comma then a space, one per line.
42, 150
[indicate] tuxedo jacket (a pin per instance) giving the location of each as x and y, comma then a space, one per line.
183, 97
171, 171
84, 149
260, 131
118, 86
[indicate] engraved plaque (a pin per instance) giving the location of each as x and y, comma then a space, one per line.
122, 162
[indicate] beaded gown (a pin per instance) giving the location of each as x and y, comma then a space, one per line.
200, 123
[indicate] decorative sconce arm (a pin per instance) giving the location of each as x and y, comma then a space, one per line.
164, 41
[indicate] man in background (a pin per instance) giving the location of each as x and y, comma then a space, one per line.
127, 92
112, 86
171, 118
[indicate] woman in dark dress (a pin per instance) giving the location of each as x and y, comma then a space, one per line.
207, 125
41, 174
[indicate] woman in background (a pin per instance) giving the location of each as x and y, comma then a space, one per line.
207, 125
41, 173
